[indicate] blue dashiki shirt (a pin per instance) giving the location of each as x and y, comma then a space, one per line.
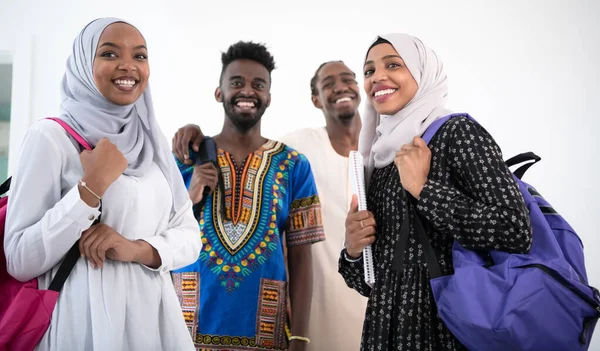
235, 296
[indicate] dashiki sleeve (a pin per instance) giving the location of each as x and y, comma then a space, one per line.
305, 225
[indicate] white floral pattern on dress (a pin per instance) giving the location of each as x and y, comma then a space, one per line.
471, 197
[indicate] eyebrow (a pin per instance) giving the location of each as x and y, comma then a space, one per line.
384, 58
242, 78
343, 74
108, 43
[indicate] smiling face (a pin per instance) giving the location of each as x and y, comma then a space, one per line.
121, 69
245, 93
389, 85
337, 89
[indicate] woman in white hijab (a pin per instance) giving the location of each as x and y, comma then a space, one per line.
120, 296
458, 184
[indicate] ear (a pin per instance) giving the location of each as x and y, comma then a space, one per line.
218, 95
317, 102
269, 100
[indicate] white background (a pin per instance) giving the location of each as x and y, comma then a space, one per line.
527, 70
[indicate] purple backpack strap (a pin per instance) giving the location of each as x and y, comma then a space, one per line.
72, 132
435, 126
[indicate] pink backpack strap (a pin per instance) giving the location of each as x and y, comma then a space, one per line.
72, 132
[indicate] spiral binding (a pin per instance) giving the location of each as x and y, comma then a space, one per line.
356, 173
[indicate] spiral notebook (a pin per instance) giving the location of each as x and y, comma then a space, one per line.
356, 174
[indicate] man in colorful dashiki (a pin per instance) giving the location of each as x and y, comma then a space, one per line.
263, 198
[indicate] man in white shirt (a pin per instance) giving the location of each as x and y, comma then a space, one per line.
337, 312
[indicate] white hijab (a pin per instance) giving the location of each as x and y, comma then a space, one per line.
132, 128
382, 136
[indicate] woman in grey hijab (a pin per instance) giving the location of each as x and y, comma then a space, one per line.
119, 296
459, 184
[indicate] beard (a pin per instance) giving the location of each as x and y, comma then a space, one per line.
244, 121
347, 117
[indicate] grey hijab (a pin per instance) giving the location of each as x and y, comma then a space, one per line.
382, 136
132, 128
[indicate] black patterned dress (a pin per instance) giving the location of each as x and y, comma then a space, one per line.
470, 196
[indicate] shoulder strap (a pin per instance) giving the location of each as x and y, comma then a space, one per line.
433, 265
73, 254
72, 132
435, 126
68, 263
5, 186
206, 153
529, 157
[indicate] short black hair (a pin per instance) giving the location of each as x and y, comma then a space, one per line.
313, 82
247, 50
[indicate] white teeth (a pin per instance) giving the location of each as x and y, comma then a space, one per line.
129, 83
245, 104
384, 92
344, 99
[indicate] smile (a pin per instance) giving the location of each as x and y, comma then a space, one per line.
343, 99
245, 104
125, 84
384, 92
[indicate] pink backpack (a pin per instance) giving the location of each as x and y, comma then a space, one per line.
26, 311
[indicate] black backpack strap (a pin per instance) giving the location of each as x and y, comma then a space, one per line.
433, 265
65, 268
69, 262
521, 158
206, 153
5, 186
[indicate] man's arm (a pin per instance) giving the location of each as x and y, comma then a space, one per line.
304, 228
300, 269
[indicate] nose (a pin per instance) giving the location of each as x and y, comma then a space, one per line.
378, 76
248, 91
126, 64
339, 87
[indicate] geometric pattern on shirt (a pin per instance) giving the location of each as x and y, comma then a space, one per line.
272, 315
242, 205
305, 221
220, 342
187, 288
262, 236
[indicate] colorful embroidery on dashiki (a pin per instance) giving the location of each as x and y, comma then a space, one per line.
272, 307
187, 289
268, 199
306, 222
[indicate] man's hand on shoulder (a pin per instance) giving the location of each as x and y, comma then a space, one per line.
186, 135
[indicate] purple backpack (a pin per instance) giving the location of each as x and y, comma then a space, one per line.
535, 301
